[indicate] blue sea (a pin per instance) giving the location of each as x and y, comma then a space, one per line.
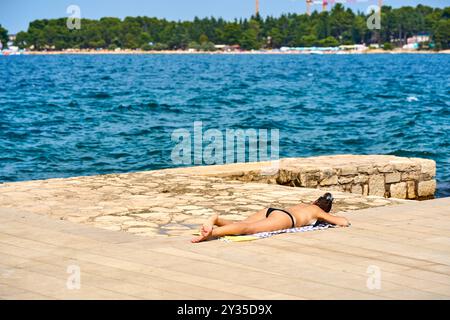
73, 115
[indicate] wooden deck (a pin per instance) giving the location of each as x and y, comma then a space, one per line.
406, 247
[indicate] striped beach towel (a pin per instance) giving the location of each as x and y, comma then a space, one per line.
262, 235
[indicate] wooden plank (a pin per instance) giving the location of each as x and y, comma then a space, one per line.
412, 254
163, 273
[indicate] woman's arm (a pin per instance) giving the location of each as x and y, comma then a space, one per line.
340, 221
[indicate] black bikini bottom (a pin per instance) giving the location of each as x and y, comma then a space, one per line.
270, 210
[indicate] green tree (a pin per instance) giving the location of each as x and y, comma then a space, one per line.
442, 34
144, 39
329, 42
358, 29
250, 38
207, 46
322, 26
308, 41
21, 40
203, 39
388, 46
276, 38
3, 36
110, 29
194, 45
341, 22
231, 33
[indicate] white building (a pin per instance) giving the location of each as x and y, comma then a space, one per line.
419, 38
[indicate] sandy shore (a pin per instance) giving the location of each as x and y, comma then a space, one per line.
375, 51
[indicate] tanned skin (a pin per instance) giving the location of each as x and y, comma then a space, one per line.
305, 214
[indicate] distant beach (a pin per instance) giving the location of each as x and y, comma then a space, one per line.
243, 52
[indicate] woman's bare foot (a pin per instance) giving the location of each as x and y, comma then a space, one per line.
204, 236
206, 229
208, 225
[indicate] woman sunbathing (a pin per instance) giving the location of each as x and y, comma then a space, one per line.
272, 219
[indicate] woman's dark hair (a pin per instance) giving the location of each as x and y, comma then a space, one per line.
325, 202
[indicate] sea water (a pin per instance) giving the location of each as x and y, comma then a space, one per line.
71, 115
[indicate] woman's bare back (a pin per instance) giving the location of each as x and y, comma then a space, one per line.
305, 214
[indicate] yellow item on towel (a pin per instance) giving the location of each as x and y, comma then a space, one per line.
240, 238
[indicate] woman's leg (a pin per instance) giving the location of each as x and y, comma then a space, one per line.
276, 221
216, 220
212, 221
220, 222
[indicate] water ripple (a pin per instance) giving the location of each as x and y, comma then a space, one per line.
69, 115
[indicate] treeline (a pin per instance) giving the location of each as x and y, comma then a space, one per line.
338, 26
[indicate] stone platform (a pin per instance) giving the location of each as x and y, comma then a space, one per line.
165, 202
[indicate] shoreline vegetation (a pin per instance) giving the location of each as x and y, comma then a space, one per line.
420, 28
